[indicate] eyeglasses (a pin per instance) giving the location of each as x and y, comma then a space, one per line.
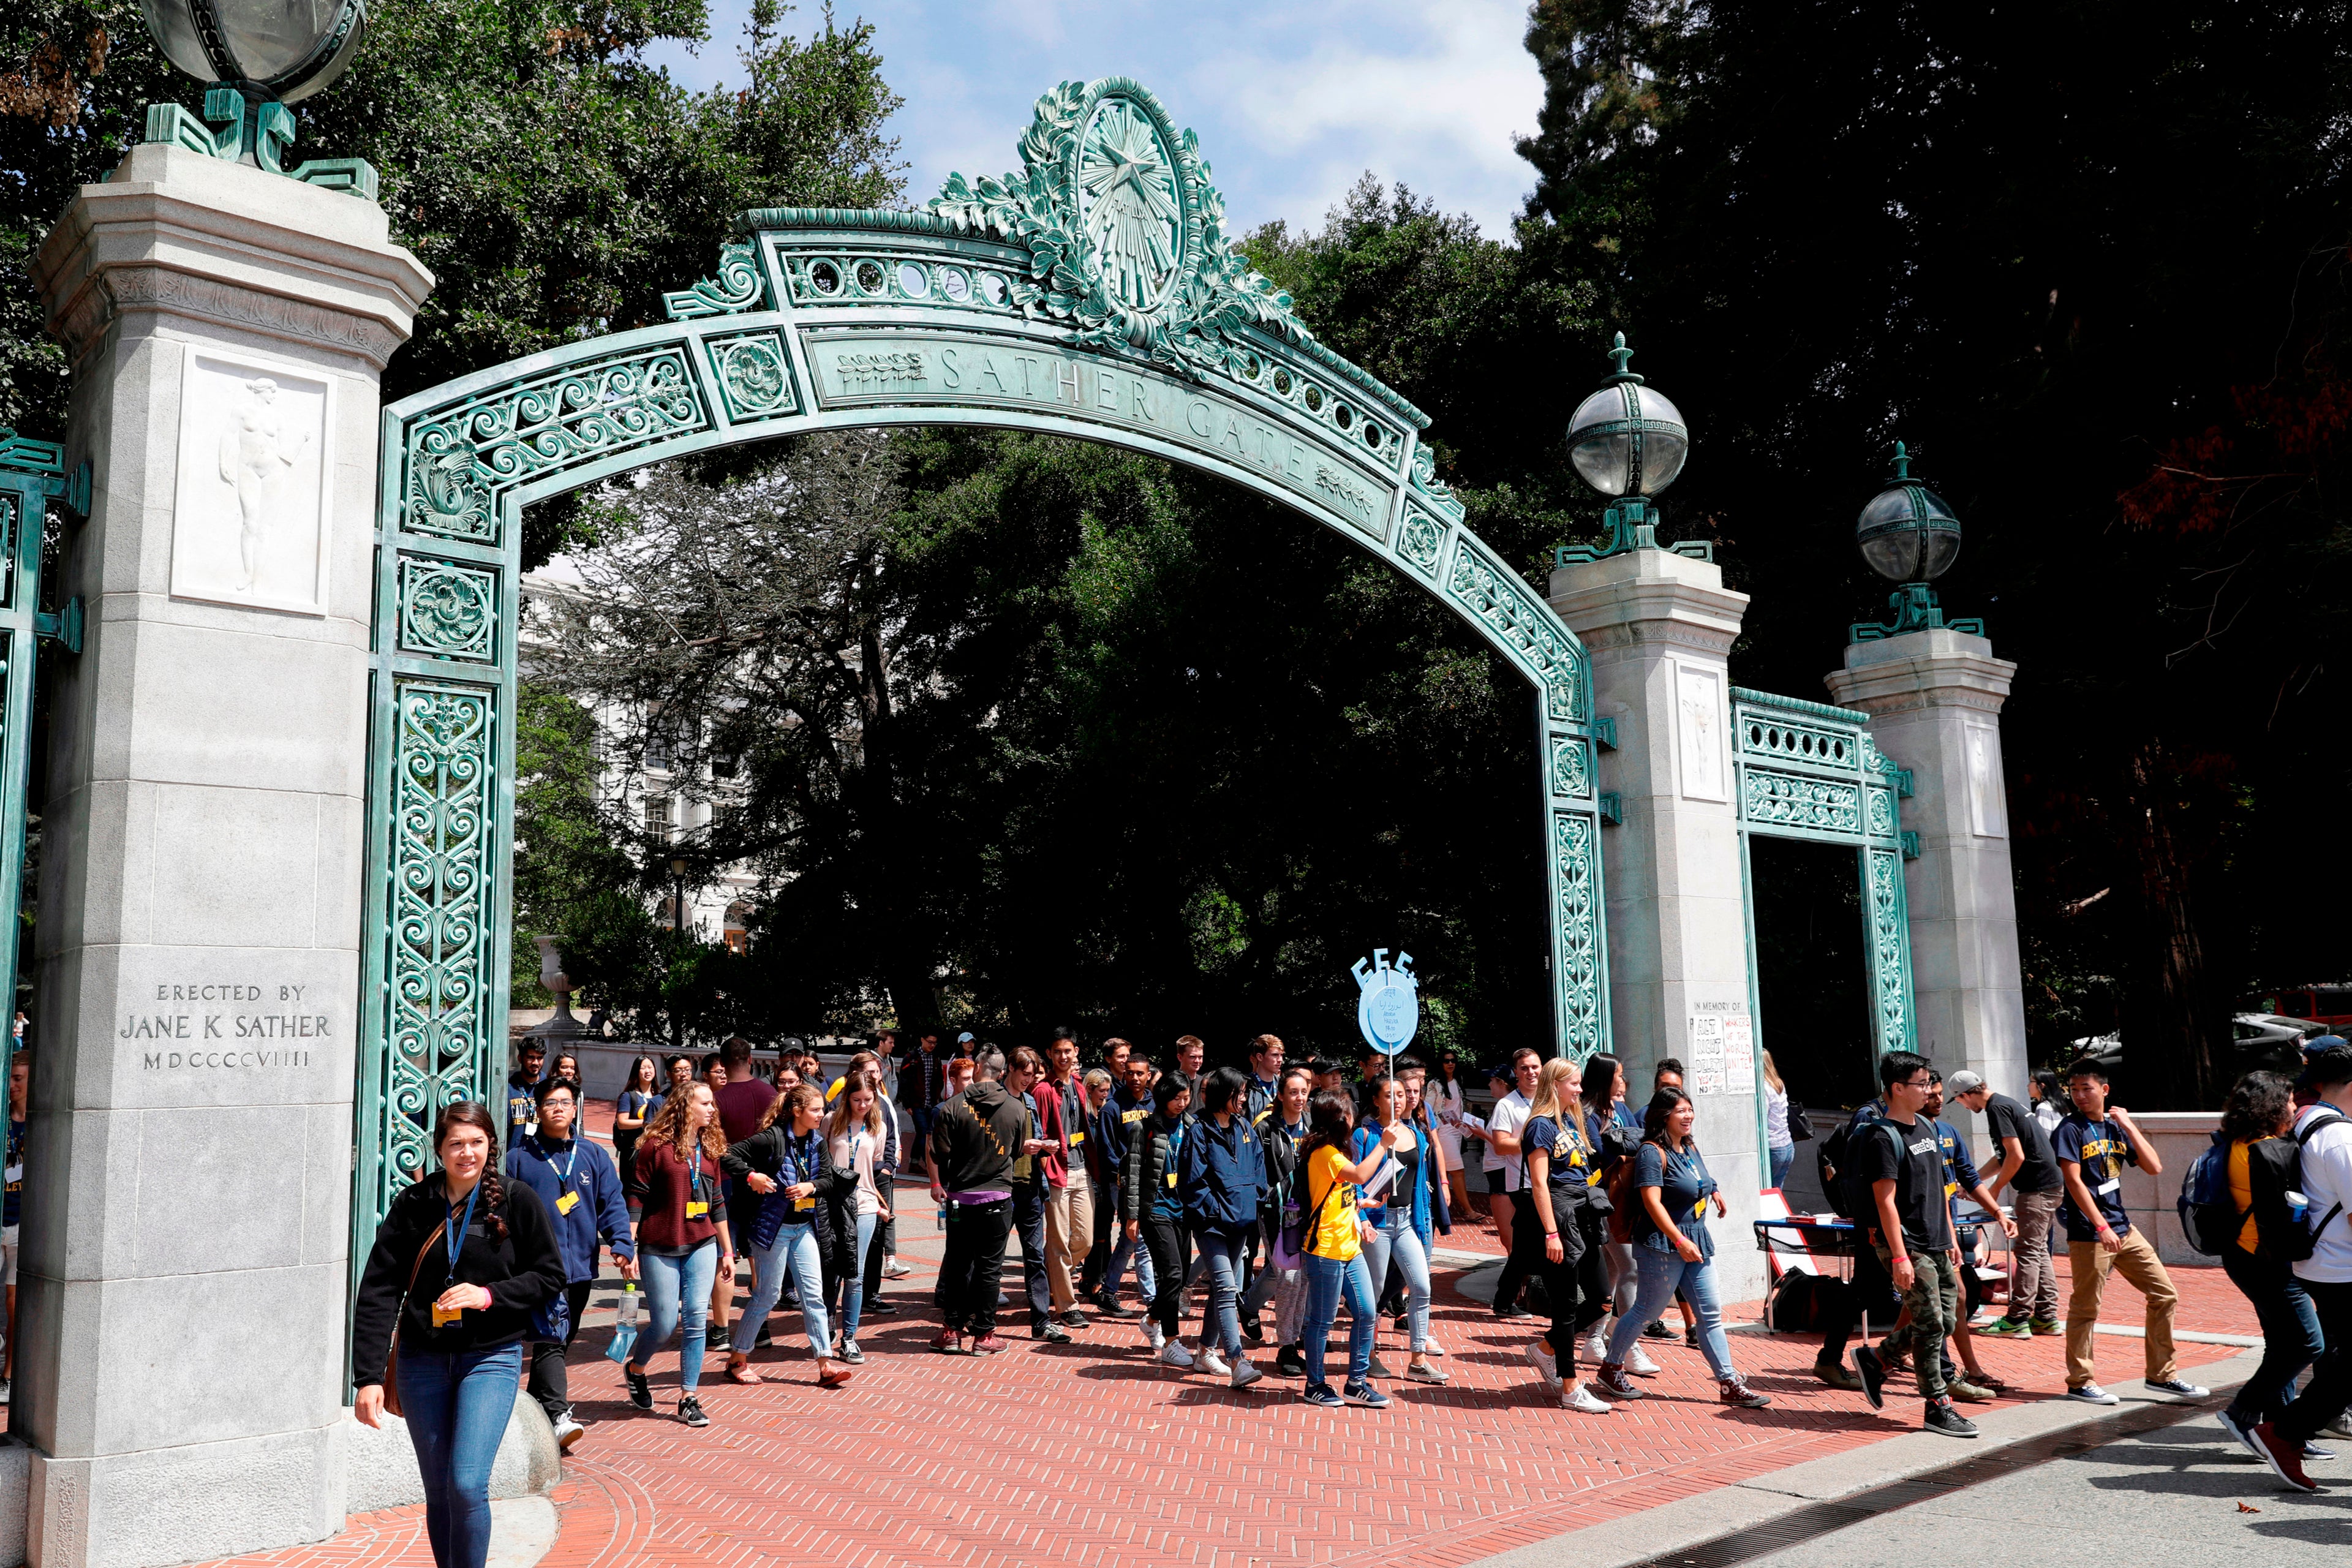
1918, 1083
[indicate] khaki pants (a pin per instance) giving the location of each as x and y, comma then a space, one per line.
2035, 1292
2143, 1271
1069, 1232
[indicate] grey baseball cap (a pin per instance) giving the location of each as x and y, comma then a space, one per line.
1963, 1082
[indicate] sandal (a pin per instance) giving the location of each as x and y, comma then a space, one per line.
741, 1372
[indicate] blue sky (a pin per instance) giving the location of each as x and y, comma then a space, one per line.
1291, 102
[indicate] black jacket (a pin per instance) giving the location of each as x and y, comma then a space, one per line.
1145, 1169
1281, 1166
520, 1272
837, 1192
975, 1137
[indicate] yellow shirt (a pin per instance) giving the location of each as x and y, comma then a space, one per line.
2241, 1193
1331, 1232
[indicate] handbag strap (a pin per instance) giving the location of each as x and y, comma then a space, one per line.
437, 1232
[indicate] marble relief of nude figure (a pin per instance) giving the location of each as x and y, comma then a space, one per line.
253, 452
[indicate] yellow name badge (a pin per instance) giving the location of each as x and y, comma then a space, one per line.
804, 1203
1127, 1116
567, 1203
695, 1210
1172, 1178
445, 1315
1077, 1138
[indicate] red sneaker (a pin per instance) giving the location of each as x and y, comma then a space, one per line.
947, 1343
2284, 1458
987, 1344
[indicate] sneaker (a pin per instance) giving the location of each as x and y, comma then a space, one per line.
2314, 1454
1246, 1371
1514, 1313
1052, 1332
641, 1393
1421, 1372
2178, 1388
1613, 1380
1638, 1363
1320, 1394
690, 1410
1174, 1354
1074, 1318
1690, 1337
2238, 1430
1153, 1335
1967, 1392
2044, 1327
2275, 1451
851, 1353
1656, 1328
2006, 1329
1379, 1367
1103, 1301
2092, 1393
1433, 1348
832, 1373
1948, 1421
1734, 1390
893, 1270
1365, 1394
1213, 1361
1546, 1367
947, 1341
1252, 1330
1595, 1346
764, 1340
1835, 1374
987, 1344
568, 1432
876, 1307
1873, 1373
1585, 1401
1290, 1362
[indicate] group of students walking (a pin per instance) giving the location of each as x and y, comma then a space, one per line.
1279, 1186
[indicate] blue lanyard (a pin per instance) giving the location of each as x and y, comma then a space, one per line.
566, 1174
456, 1238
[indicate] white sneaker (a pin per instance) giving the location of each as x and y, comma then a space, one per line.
1544, 1366
1595, 1348
1174, 1354
1433, 1348
893, 1270
2092, 1393
1213, 1363
1246, 1373
1581, 1398
1638, 1363
1153, 1335
568, 1432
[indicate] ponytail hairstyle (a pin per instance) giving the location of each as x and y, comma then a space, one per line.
1330, 1117
473, 1113
1654, 1119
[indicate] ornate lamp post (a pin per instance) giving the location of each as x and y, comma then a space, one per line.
677, 869
257, 56
1628, 441
1908, 535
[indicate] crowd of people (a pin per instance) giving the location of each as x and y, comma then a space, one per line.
1301, 1187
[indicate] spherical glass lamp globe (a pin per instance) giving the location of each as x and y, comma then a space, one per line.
1908, 533
285, 50
1627, 439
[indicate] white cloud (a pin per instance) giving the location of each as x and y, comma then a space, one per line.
1291, 104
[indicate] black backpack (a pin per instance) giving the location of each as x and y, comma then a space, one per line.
1841, 1182
2296, 1241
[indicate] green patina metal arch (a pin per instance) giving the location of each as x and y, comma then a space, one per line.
1092, 294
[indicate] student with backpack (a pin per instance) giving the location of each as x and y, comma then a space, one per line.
1869, 1293
2322, 1134
1332, 1246
2094, 1143
2233, 1205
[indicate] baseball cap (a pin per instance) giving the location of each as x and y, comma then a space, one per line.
964, 1039
1963, 1082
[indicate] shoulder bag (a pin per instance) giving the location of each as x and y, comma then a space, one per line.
392, 1358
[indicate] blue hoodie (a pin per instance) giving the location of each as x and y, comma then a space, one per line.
582, 1171
1222, 1174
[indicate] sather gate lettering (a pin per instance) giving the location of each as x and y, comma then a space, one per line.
1094, 294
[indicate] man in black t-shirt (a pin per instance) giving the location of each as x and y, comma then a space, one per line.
1910, 1223
2030, 1171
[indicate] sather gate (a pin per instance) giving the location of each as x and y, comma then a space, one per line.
1093, 293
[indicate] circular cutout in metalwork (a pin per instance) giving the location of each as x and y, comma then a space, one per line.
1315, 400
913, 281
824, 277
1344, 415
954, 284
1282, 382
1371, 434
993, 288
869, 277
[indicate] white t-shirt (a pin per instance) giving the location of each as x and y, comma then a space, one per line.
858, 1149
2327, 1183
1776, 1118
1510, 1114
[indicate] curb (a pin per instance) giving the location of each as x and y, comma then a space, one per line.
1692, 1521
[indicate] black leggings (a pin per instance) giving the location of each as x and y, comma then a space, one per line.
1578, 1284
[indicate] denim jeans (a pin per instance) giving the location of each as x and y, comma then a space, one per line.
677, 1296
1329, 1280
1660, 1273
792, 1255
1783, 1156
1398, 1241
1222, 1254
1029, 1224
458, 1403
2291, 1337
2324, 1398
853, 1286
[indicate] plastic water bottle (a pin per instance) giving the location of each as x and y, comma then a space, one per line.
631, 1304
943, 1217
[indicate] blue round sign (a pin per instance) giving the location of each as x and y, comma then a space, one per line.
1388, 1001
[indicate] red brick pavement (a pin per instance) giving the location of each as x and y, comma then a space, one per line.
1091, 1454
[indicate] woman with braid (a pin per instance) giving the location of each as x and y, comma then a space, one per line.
461, 1264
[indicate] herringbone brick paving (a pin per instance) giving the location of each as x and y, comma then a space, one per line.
1092, 1455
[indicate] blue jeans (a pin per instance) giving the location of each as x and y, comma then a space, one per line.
1146, 1284
2291, 1336
1660, 1273
853, 1287
1783, 1156
793, 1253
457, 1405
1328, 1280
678, 1291
1397, 1239
1221, 1255
1029, 1225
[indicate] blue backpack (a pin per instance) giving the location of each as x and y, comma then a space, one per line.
2210, 1218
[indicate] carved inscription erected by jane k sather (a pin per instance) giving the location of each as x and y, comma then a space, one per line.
229, 1026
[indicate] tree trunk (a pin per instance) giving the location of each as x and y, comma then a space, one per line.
2178, 1056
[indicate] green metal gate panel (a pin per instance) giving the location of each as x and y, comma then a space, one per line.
1092, 294
31, 474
